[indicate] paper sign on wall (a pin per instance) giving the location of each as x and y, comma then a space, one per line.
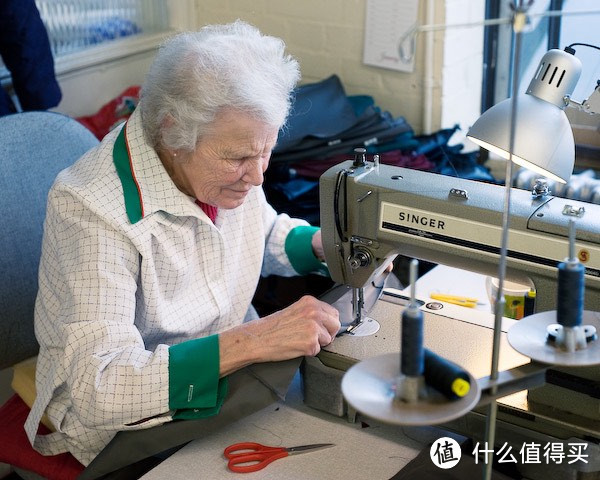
386, 23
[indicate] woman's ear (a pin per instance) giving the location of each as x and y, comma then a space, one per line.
167, 122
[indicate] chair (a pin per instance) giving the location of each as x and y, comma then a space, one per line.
34, 148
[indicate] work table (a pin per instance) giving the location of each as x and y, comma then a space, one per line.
375, 451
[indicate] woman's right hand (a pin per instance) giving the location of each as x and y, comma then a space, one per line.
298, 330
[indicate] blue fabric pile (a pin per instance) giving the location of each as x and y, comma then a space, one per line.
326, 125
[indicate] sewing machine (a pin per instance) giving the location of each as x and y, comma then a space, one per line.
370, 213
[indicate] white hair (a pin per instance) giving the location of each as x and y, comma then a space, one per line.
196, 74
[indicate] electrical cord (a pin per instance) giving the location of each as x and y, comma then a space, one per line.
582, 45
341, 176
571, 50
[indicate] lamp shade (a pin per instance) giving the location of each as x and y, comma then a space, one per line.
543, 137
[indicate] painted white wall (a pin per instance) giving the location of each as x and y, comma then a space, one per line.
86, 91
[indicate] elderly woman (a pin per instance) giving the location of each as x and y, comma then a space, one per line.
154, 243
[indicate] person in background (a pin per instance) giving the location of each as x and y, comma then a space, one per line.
154, 243
25, 51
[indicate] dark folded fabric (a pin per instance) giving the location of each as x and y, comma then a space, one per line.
387, 130
324, 121
250, 390
319, 110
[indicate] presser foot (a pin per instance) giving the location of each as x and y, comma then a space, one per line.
360, 328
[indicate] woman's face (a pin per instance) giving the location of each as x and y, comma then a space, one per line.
228, 161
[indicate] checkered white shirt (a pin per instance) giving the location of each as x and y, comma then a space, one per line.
114, 295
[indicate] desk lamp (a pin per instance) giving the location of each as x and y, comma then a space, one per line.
543, 139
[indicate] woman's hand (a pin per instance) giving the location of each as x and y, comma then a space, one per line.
317, 245
298, 330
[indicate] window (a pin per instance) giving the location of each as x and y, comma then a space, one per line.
74, 25
105, 46
87, 33
544, 33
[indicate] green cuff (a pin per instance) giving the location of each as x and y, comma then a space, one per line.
298, 247
192, 413
194, 383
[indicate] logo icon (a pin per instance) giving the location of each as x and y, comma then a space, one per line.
445, 452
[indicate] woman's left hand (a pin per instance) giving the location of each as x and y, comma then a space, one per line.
317, 246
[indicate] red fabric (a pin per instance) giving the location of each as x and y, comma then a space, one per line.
210, 210
18, 452
314, 168
112, 113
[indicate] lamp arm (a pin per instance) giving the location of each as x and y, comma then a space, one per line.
591, 105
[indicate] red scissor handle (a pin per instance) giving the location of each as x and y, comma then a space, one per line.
251, 457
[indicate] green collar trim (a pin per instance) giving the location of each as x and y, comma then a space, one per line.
131, 189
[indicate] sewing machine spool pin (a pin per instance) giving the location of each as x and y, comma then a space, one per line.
360, 157
570, 334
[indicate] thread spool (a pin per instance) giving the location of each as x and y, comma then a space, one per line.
446, 377
588, 188
529, 307
571, 290
412, 356
411, 353
595, 195
571, 286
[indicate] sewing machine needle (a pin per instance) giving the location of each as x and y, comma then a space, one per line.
357, 305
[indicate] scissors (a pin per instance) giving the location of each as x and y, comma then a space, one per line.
258, 456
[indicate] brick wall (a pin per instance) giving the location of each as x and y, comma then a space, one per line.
326, 36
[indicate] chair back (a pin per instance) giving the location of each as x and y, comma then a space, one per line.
34, 148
